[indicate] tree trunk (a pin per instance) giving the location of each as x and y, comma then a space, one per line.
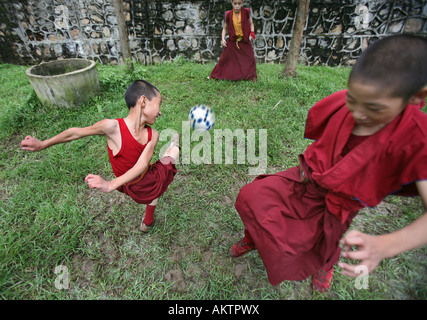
123, 34
297, 32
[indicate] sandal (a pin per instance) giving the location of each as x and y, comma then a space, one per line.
241, 248
144, 228
322, 280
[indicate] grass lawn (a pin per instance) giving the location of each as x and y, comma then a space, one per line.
50, 218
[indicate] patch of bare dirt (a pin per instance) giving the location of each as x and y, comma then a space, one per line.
176, 277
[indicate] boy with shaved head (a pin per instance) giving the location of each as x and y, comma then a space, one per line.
370, 141
130, 142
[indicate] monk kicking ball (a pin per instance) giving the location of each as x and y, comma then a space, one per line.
131, 142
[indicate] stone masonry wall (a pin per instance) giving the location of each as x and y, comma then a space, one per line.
336, 32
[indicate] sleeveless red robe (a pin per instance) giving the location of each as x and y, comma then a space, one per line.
154, 182
296, 226
236, 63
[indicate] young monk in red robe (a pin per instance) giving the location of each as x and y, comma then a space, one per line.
237, 61
130, 143
370, 141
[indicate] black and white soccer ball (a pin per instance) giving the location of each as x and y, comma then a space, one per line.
201, 117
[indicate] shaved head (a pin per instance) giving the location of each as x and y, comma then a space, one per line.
397, 64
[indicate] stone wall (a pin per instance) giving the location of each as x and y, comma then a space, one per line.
32, 31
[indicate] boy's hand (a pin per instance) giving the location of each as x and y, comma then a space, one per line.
31, 144
368, 252
223, 42
95, 181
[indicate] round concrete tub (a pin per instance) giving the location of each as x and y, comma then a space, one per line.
64, 83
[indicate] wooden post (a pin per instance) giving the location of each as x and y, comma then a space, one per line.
297, 32
123, 34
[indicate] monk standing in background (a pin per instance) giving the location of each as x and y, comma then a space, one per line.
237, 61
370, 141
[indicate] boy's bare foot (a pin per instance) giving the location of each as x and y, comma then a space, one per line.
172, 151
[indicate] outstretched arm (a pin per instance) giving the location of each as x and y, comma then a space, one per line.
97, 182
100, 128
371, 250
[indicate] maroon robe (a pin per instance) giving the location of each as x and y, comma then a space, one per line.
237, 61
154, 181
296, 225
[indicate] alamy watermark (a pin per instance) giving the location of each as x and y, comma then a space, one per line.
62, 280
224, 151
362, 281
224, 147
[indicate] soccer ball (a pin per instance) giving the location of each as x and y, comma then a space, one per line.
201, 117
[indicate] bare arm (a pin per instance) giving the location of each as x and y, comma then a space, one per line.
372, 249
251, 23
252, 35
103, 127
95, 181
223, 34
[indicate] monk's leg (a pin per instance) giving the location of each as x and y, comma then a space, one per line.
148, 218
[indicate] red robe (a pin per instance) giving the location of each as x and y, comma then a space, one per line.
156, 179
296, 225
236, 62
